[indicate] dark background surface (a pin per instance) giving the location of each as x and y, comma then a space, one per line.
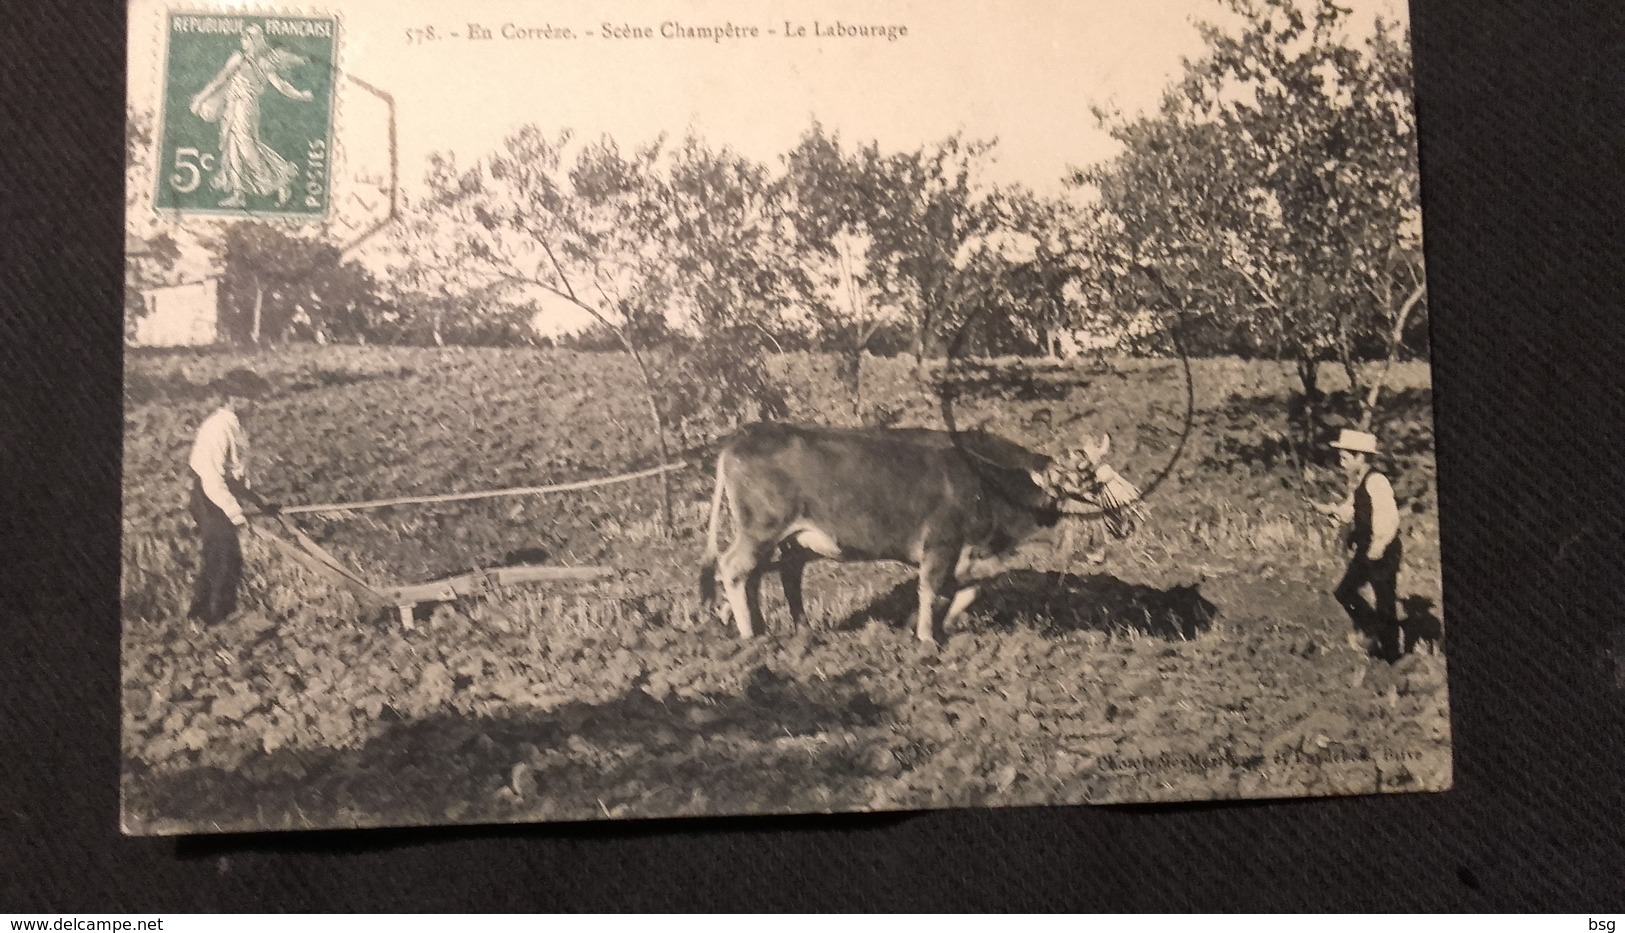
1521, 111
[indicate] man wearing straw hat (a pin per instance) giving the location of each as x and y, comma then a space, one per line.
219, 468
1373, 541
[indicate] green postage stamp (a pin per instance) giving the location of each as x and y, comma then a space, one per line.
248, 115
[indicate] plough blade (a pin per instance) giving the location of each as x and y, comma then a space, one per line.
314, 557
405, 598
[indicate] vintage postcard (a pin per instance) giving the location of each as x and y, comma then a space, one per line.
598, 409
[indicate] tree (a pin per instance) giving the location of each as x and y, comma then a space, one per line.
435, 279
729, 253
830, 199
278, 286
647, 242
927, 204
516, 221
523, 221
1393, 267
1274, 194
339, 300
1013, 280
732, 268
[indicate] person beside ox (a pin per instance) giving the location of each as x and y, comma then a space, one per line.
1373, 542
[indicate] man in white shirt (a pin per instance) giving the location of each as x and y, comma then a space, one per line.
1373, 541
219, 467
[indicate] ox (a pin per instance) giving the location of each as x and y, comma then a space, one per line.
931, 499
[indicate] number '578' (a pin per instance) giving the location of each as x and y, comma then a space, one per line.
190, 165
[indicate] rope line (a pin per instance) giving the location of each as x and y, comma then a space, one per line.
484, 494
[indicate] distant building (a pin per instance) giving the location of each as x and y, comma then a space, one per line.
179, 315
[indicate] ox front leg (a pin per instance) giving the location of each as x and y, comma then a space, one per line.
936, 577
740, 570
963, 570
958, 605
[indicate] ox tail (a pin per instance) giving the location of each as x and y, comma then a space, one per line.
708, 564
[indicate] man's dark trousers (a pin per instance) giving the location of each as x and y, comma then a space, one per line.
1381, 619
214, 596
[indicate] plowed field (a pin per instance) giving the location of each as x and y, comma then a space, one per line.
1202, 658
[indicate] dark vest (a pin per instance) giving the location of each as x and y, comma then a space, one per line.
1360, 537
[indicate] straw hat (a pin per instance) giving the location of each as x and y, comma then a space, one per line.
1359, 442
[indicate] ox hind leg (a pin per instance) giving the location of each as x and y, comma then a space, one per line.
740, 568
793, 560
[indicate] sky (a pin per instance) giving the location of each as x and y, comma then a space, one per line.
1026, 72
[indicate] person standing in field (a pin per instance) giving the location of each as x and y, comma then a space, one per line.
1373, 542
219, 468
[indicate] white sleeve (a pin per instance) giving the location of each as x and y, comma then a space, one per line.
1344, 511
237, 455
208, 461
1384, 513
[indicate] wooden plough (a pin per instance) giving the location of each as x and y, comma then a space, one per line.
405, 598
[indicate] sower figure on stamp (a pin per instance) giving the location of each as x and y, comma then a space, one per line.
219, 470
1373, 542
248, 165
